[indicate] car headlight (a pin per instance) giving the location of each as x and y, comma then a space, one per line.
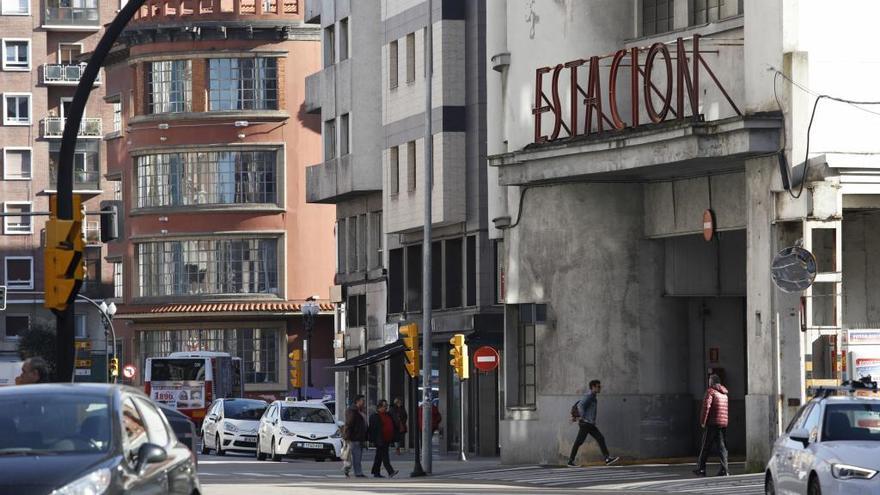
94, 483
285, 431
847, 472
337, 434
229, 428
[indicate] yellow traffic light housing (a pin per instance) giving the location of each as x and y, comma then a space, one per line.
63, 269
459, 353
410, 337
295, 361
114, 367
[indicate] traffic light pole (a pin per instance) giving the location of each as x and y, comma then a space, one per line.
427, 432
64, 344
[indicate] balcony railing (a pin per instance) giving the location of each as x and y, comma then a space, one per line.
53, 127
164, 10
65, 73
73, 16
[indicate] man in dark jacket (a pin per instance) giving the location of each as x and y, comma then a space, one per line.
399, 415
355, 433
381, 433
713, 417
587, 407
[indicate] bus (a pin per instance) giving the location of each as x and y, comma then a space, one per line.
190, 381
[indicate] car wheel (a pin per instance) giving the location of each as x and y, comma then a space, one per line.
218, 446
814, 488
769, 487
260, 456
275, 457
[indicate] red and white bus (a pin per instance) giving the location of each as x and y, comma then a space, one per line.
190, 381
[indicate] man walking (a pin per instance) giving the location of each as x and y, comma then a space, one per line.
399, 415
587, 407
713, 417
355, 433
382, 430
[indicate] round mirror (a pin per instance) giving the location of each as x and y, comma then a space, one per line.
793, 269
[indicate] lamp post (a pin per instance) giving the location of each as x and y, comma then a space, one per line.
107, 311
309, 310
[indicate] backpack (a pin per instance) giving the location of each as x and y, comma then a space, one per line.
575, 411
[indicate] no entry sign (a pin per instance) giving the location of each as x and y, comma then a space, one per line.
486, 358
129, 371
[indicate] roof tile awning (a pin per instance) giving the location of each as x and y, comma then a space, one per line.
280, 308
370, 357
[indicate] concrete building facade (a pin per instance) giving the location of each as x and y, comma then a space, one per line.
604, 195
220, 248
42, 45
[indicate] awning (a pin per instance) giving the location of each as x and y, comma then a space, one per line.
369, 357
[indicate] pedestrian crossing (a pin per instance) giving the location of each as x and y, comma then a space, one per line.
561, 477
743, 484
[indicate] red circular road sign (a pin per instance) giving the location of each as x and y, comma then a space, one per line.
486, 358
129, 370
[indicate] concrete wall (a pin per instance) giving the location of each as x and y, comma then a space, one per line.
861, 269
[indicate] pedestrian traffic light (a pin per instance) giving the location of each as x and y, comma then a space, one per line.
296, 378
63, 257
459, 353
410, 337
114, 367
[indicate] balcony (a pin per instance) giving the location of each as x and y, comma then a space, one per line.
83, 180
59, 18
211, 10
313, 93
313, 12
340, 178
64, 74
90, 127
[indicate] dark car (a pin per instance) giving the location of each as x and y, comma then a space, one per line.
68, 439
183, 427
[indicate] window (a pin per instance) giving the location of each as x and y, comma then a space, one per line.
117, 116
117, 280
156, 428
19, 222
344, 144
68, 53
242, 84
207, 266
657, 16
526, 357
117, 190
362, 243
395, 281
134, 429
352, 244
17, 54
169, 86
375, 246
330, 139
80, 326
471, 271
17, 325
454, 259
705, 11
343, 39
411, 166
340, 246
394, 170
356, 311
16, 108
19, 272
392, 65
811, 423
16, 7
411, 57
86, 164
258, 348
414, 278
207, 178
17, 163
329, 46
92, 267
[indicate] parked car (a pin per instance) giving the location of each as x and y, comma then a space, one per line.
298, 429
183, 427
68, 439
231, 424
830, 447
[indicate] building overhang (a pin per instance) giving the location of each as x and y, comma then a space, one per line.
182, 311
662, 151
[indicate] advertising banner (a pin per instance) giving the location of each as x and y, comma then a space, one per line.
179, 394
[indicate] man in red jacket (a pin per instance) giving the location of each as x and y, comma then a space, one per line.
713, 417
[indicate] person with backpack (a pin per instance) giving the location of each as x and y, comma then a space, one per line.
713, 418
584, 412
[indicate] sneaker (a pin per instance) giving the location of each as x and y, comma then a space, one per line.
699, 472
346, 472
571, 464
611, 460
722, 473
393, 474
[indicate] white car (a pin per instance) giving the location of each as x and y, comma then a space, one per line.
831, 447
298, 429
231, 424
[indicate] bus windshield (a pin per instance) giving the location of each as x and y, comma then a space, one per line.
167, 370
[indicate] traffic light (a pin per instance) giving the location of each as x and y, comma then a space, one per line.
63, 257
296, 378
114, 367
459, 353
410, 337
109, 223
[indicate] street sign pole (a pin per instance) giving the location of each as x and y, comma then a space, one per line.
427, 432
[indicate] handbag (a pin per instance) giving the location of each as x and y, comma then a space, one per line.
345, 454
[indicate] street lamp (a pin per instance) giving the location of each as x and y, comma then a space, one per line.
309, 310
107, 311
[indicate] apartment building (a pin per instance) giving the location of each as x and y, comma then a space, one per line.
42, 44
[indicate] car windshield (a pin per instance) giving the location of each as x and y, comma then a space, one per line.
306, 415
853, 421
166, 370
33, 424
243, 409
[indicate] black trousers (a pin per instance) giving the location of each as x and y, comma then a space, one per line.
584, 430
382, 457
713, 434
